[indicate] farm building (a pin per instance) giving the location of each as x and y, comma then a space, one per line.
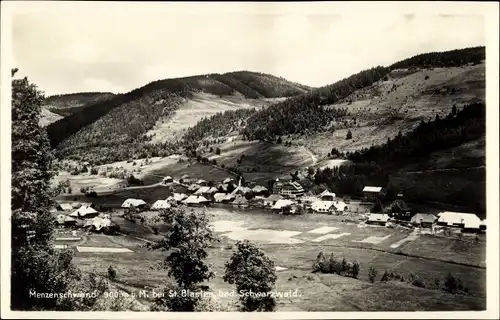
482, 226
399, 210
228, 180
241, 190
340, 206
272, 199
240, 202
327, 195
206, 191
136, 203
177, 197
84, 212
468, 221
100, 224
283, 205
196, 200
65, 220
259, 190
194, 187
228, 198
423, 220
371, 193
322, 206
288, 189
64, 207
219, 197
307, 200
378, 218
168, 179
161, 204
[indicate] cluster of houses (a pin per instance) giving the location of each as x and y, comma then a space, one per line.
398, 212
286, 197
82, 215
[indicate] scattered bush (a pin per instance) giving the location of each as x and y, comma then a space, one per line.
349, 134
418, 283
111, 273
385, 276
372, 274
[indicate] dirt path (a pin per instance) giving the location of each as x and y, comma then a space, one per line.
313, 156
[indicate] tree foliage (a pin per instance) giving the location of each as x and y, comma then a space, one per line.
254, 276
35, 265
187, 239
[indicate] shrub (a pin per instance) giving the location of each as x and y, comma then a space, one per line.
319, 263
453, 285
418, 283
372, 274
385, 276
111, 273
217, 151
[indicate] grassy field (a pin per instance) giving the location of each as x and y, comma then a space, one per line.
201, 105
318, 292
399, 103
262, 161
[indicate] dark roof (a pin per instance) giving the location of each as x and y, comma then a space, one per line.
398, 205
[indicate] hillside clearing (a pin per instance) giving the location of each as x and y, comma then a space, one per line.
193, 109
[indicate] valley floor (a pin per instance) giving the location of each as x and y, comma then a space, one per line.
426, 257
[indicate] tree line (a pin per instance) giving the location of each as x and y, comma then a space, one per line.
452, 58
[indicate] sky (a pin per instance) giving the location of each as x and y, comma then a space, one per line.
85, 47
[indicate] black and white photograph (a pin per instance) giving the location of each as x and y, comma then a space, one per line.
162, 158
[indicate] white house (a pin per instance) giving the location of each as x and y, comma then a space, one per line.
161, 204
459, 219
177, 197
321, 206
378, 218
219, 197
272, 199
206, 191
371, 193
137, 203
84, 212
340, 206
196, 200
283, 203
327, 196
168, 179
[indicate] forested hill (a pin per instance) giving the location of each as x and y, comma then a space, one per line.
127, 120
304, 114
66, 104
244, 83
457, 128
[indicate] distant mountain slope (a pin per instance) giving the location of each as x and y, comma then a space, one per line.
48, 117
125, 120
366, 110
66, 104
304, 113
